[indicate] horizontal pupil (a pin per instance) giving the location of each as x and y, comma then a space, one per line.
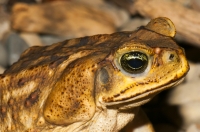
135, 63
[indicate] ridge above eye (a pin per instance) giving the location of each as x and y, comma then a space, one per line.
134, 62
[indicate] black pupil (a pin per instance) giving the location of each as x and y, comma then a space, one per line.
134, 62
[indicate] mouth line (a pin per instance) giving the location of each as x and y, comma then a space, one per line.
144, 96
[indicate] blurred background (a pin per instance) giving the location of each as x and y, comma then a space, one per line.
26, 23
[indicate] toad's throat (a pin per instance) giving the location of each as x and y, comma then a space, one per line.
144, 97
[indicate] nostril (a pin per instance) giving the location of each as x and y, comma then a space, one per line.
171, 56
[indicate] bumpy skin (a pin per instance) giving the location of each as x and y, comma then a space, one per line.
79, 84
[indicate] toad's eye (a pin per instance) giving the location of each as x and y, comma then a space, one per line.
134, 62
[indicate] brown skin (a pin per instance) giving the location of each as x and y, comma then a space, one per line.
80, 85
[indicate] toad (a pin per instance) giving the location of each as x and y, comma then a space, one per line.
91, 84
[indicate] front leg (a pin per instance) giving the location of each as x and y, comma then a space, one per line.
104, 121
140, 123
111, 120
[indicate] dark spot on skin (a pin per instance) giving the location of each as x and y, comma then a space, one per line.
32, 98
83, 41
155, 80
22, 81
122, 91
116, 95
55, 63
140, 83
14, 108
109, 99
14, 116
27, 103
76, 105
11, 102
31, 68
54, 57
3, 110
175, 78
60, 106
2, 76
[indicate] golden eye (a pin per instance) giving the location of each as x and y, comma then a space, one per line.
134, 62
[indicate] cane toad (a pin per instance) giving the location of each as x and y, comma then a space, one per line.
93, 84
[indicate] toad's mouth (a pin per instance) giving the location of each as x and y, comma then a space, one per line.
141, 98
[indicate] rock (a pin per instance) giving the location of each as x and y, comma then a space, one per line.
188, 91
190, 113
186, 3
188, 27
134, 23
4, 29
185, 93
50, 39
129, 4
195, 4
119, 16
11, 3
126, 4
52, 0
2, 69
193, 128
183, 102
3, 1
194, 73
3, 56
69, 19
31, 39
15, 45
4, 23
